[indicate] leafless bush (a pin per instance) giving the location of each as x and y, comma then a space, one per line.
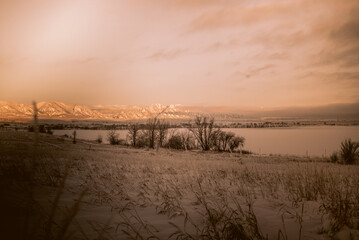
133, 132
227, 141
113, 137
183, 140
150, 131
188, 140
204, 132
142, 139
155, 132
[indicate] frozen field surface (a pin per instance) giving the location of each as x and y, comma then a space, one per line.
58, 190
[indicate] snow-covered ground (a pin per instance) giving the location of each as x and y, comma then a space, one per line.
144, 193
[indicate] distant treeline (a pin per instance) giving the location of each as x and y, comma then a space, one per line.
268, 124
126, 126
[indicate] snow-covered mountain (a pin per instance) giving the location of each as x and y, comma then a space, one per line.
58, 110
62, 111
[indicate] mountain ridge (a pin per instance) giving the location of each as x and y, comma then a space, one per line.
62, 111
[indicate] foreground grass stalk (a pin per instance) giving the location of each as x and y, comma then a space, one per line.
30, 199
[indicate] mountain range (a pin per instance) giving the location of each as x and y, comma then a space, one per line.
63, 111
12, 111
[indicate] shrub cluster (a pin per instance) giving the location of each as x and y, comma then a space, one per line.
348, 154
152, 134
210, 138
113, 137
183, 141
202, 135
41, 128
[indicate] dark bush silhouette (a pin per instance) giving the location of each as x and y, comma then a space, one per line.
151, 131
210, 138
148, 135
41, 129
349, 151
227, 141
236, 142
204, 132
133, 132
113, 137
183, 140
223, 139
142, 140
175, 142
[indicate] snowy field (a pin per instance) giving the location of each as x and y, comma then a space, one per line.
60, 190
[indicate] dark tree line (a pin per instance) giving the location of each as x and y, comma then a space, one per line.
202, 134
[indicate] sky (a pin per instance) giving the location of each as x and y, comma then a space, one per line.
253, 53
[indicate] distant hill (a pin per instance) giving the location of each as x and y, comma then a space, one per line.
61, 111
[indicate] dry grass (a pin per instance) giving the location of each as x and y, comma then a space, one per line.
145, 194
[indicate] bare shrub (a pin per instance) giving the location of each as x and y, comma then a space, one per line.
175, 142
151, 131
204, 132
183, 140
223, 139
133, 132
236, 142
349, 151
142, 139
162, 132
227, 141
113, 137
187, 140
155, 131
